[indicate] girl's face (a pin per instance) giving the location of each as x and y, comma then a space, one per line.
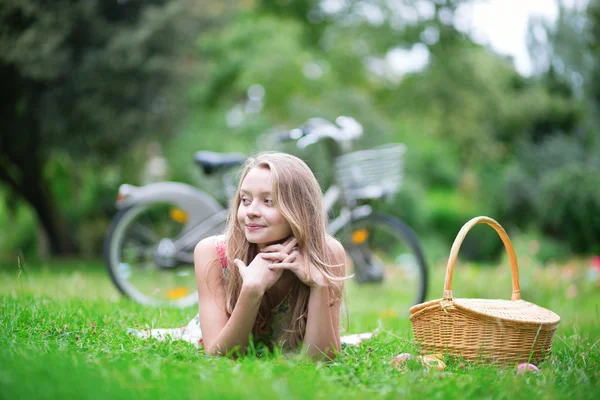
258, 214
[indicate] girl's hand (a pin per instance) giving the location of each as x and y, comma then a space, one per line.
279, 252
295, 263
258, 276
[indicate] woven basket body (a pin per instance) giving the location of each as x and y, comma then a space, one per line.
501, 331
371, 174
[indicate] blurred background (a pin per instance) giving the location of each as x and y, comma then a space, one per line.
497, 103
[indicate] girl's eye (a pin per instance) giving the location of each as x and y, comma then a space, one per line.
269, 202
245, 201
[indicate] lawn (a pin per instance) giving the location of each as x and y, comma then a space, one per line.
62, 335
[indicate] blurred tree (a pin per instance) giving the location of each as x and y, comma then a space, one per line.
261, 71
86, 80
566, 55
89, 78
593, 44
307, 12
554, 132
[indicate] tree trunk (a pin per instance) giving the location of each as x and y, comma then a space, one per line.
23, 156
39, 196
32, 188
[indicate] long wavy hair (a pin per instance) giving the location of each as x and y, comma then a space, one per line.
298, 196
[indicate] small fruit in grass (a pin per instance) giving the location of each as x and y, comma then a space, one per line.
433, 361
525, 367
401, 360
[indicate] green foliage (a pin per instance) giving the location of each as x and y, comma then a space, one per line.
99, 73
450, 210
91, 83
87, 79
299, 81
431, 162
516, 197
554, 187
19, 235
535, 113
544, 249
410, 206
570, 209
255, 49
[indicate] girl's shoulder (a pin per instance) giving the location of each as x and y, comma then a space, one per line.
335, 247
221, 247
338, 255
211, 249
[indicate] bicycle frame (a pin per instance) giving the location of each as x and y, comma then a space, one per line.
198, 229
206, 215
330, 198
201, 215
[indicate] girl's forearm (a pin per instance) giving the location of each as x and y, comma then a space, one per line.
320, 338
236, 332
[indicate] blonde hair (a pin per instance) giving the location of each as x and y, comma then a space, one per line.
298, 196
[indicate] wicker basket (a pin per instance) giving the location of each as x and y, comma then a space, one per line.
501, 331
371, 174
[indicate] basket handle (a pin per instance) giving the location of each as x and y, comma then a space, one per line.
514, 267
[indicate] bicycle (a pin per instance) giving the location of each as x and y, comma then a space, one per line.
149, 246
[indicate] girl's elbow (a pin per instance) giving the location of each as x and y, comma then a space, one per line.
213, 349
217, 349
319, 353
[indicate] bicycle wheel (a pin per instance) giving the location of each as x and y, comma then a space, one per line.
149, 253
383, 247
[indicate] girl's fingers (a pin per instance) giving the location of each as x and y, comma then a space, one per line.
281, 266
281, 257
289, 246
271, 247
280, 247
288, 241
290, 258
290, 267
240, 264
275, 256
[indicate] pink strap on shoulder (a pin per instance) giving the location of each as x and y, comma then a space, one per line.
221, 251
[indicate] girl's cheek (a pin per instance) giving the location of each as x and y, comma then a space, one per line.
278, 216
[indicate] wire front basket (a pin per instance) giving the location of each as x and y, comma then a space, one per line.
371, 174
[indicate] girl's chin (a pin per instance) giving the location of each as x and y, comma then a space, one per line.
257, 239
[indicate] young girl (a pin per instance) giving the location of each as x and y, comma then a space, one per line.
275, 275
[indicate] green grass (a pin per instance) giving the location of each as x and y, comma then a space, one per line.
62, 335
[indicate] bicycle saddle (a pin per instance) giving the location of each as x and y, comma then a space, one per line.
211, 161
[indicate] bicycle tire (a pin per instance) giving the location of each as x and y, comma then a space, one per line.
113, 248
404, 234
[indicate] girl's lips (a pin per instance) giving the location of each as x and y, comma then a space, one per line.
253, 227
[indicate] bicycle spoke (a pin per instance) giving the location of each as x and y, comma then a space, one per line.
383, 250
142, 249
209, 226
185, 256
145, 233
144, 262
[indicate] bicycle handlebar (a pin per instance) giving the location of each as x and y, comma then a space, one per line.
344, 130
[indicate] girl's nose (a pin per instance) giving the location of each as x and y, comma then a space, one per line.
253, 209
